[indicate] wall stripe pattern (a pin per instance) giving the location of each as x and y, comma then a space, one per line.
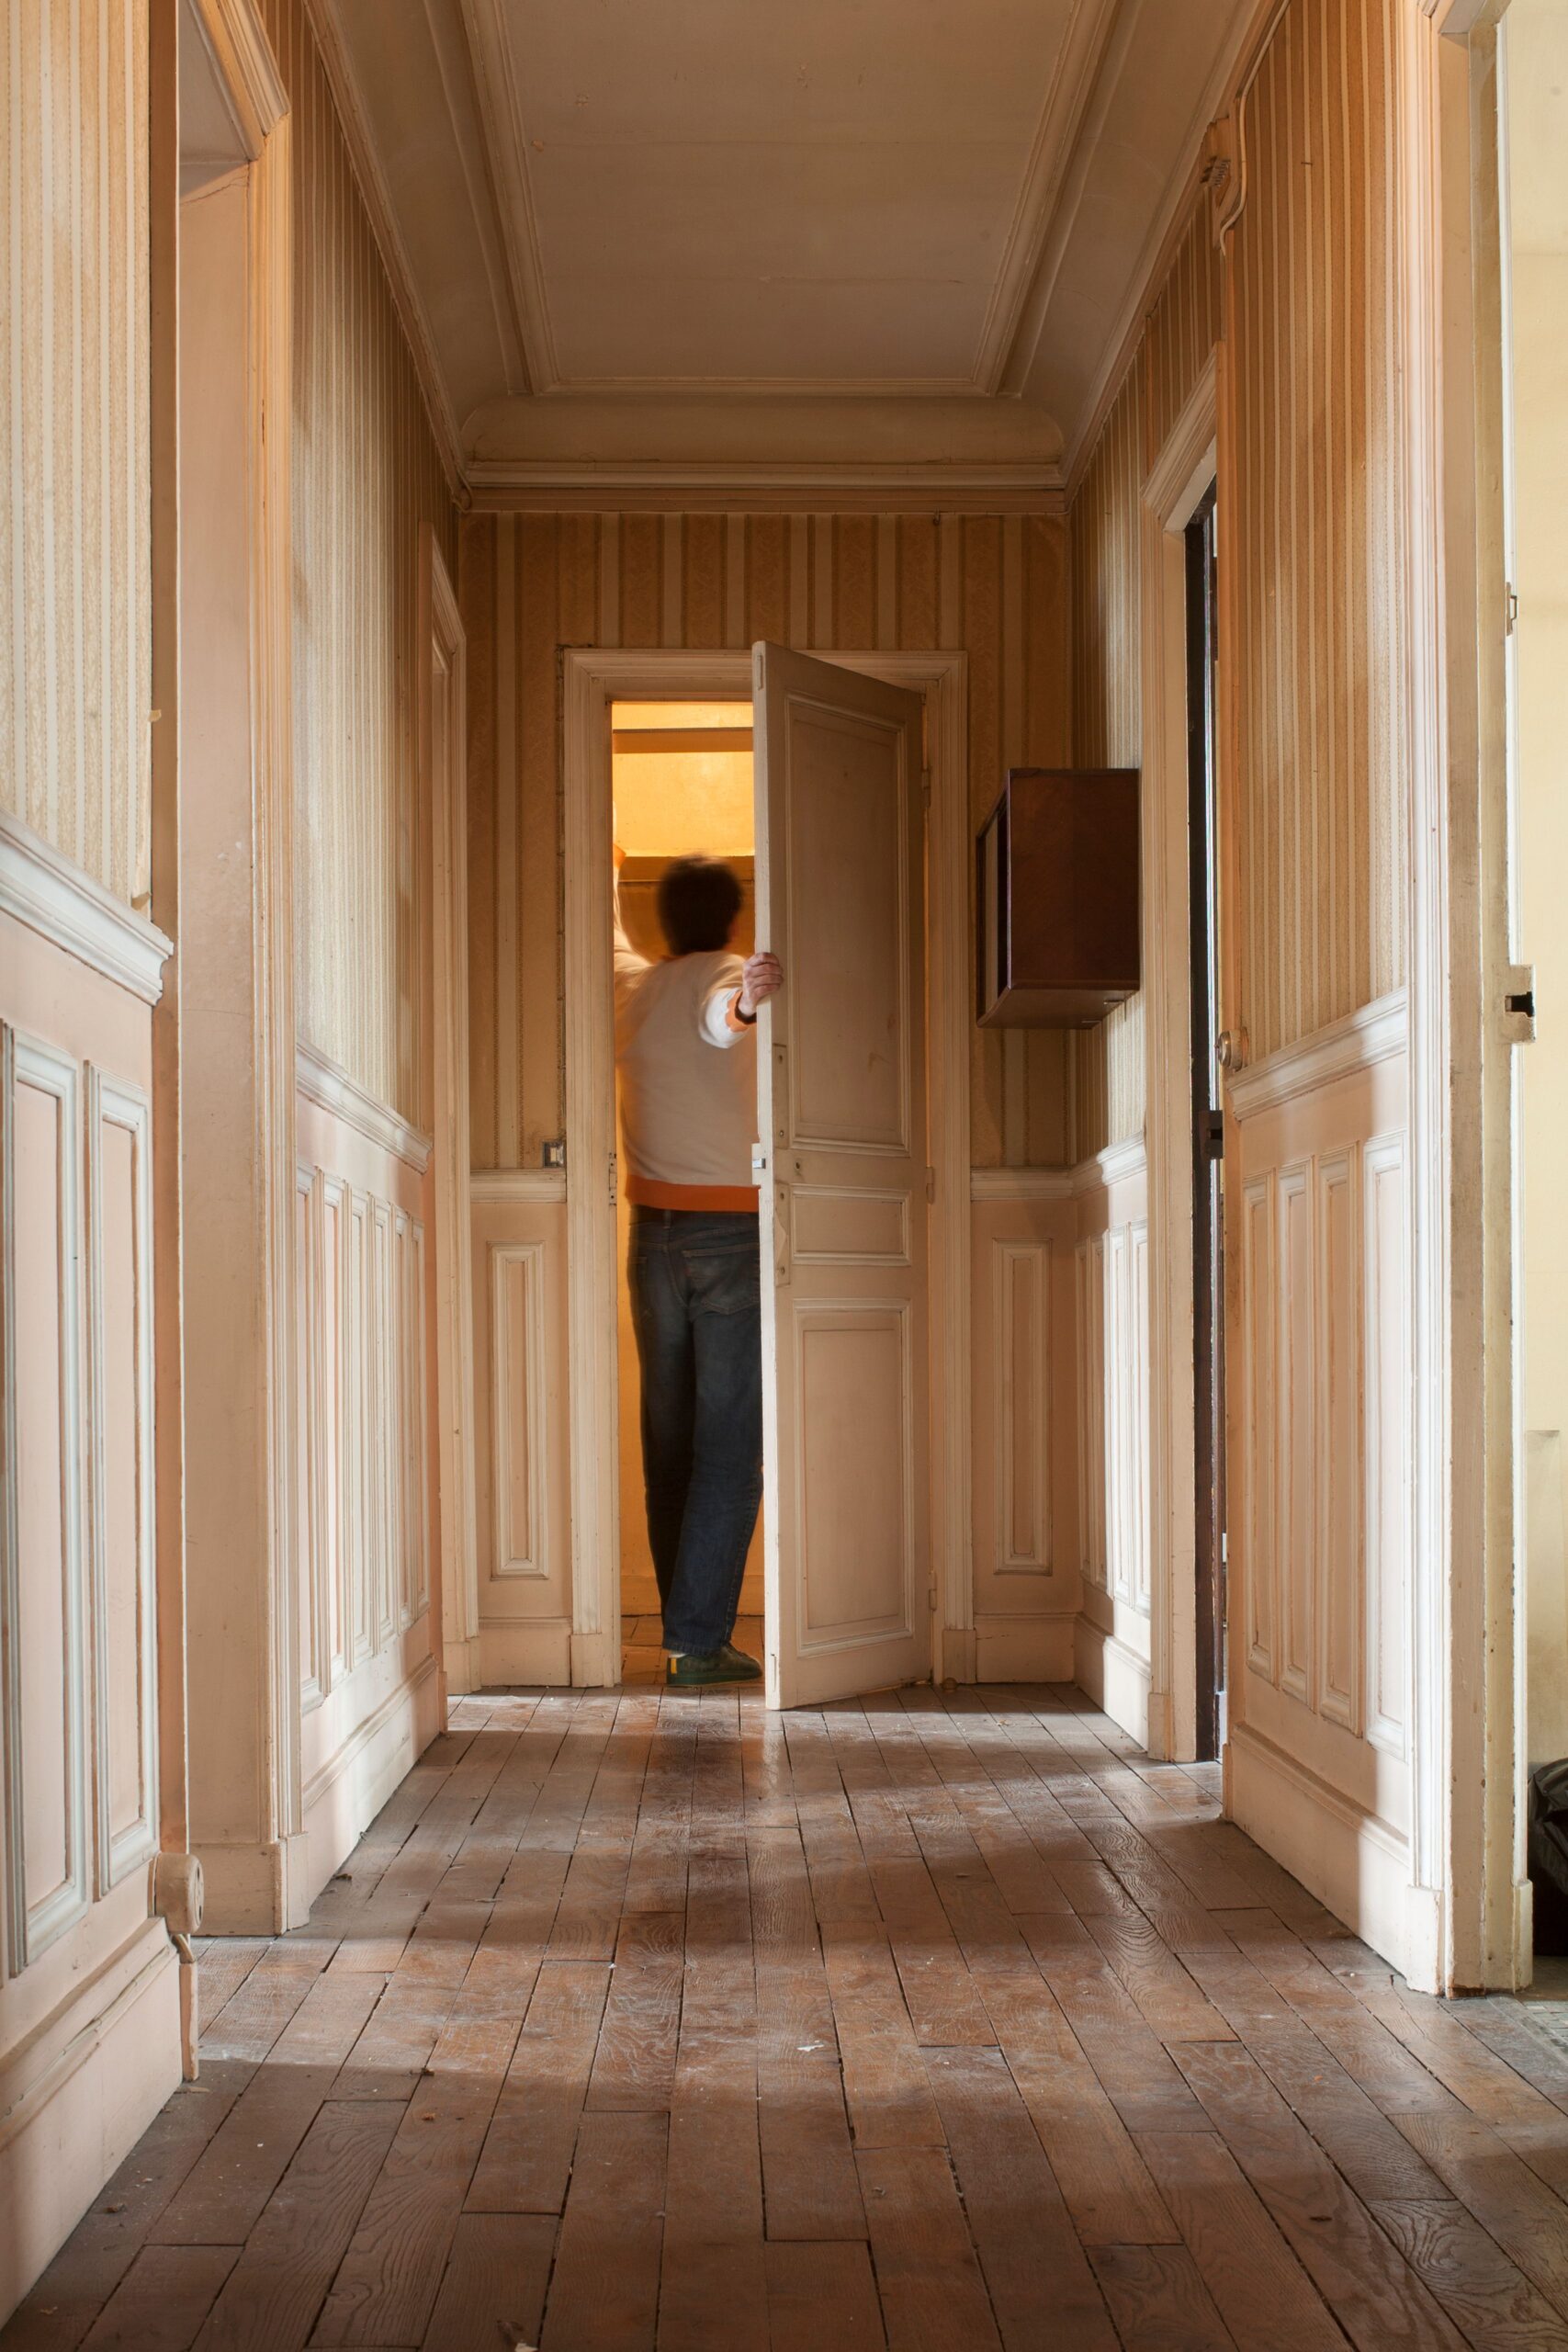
1322, 751
993, 586
368, 477
1107, 1062
76, 602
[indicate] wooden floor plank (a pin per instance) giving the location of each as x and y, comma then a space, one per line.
652, 2022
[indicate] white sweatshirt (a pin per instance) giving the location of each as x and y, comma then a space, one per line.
688, 1067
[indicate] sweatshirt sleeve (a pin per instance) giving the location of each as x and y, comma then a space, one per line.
629, 965
719, 1023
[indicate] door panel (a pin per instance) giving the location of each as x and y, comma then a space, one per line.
841, 894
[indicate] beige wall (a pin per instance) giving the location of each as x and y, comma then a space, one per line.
368, 477
1184, 323
75, 625
1536, 53
993, 586
1312, 485
1307, 296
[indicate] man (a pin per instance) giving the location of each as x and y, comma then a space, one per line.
686, 1050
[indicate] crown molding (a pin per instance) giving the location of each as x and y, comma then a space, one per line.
62, 904
506, 487
1233, 68
241, 54
373, 190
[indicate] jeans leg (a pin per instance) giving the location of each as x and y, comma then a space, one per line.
665, 1353
725, 1485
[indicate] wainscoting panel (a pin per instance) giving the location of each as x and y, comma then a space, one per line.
521, 1437
1320, 1553
1025, 1425
1112, 1638
369, 1685
89, 2007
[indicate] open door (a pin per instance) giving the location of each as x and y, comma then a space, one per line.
841, 1061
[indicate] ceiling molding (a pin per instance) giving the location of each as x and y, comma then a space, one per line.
373, 190
513, 487
1056, 141
253, 87
501, 113
1239, 58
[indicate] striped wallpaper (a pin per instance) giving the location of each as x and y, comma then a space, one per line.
1106, 1068
366, 477
1311, 500
76, 626
1316, 526
992, 585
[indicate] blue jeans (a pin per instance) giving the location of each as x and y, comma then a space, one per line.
696, 1311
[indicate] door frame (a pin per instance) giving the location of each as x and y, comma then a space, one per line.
1188, 464
592, 679
444, 1053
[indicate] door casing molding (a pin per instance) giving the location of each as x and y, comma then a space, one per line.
592, 679
1175, 488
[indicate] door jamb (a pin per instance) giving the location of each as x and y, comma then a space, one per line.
1175, 488
592, 679
444, 813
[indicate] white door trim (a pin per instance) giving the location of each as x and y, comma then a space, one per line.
592, 679
445, 1051
1175, 488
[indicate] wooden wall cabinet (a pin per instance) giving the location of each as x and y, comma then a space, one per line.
1058, 912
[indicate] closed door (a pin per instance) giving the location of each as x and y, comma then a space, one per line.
840, 899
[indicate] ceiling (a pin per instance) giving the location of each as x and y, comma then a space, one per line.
720, 238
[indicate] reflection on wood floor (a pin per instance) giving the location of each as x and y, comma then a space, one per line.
937, 2019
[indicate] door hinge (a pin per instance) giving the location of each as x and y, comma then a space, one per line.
931, 1184
925, 785
1510, 608
613, 1172
933, 1598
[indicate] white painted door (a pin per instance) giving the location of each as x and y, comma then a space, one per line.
840, 899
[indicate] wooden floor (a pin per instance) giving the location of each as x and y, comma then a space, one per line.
940, 2020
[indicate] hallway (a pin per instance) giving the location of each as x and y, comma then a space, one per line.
935, 2019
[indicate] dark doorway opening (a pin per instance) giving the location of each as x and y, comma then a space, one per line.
1208, 1136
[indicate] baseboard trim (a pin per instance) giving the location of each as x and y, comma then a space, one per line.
1357, 1865
346, 1795
1036, 1648
77, 2116
513, 1650
1118, 1678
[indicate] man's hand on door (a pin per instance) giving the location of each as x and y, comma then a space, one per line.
761, 977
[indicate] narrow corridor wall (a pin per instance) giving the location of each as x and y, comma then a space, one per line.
368, 477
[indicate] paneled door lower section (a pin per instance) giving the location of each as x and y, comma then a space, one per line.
841, 896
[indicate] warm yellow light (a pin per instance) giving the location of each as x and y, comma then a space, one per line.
668, 804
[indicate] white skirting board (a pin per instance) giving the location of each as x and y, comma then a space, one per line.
75, 2104
1035, 1648
349, 1792
526, 1651
1116, 1676
1357, 1865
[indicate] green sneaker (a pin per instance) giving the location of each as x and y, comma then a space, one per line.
699, 1670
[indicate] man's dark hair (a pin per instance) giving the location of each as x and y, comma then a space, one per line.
699, 898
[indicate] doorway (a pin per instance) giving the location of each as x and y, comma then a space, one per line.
1535, 55
595, 680
682, 779
1208, 1138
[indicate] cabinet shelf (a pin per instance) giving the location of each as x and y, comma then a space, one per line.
1057, 899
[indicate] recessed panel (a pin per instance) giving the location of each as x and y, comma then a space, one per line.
124, 1634
837, 1226
848, 947
853, 1416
